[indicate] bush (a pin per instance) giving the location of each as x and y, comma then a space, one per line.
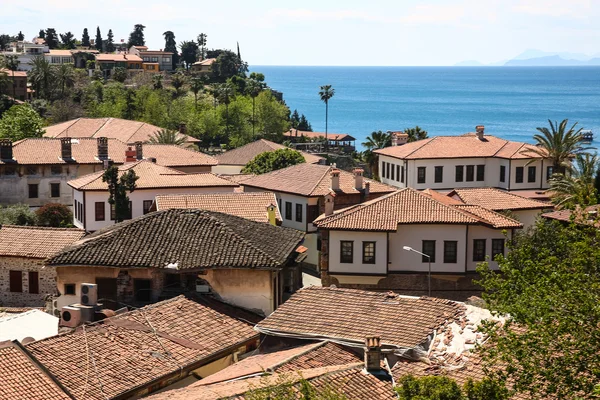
17, 214
272, 161
54, 215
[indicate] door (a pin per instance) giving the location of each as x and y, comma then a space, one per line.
107, 289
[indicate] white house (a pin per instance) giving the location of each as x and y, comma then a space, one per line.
470, 160
91, 210
26, 52
363, 245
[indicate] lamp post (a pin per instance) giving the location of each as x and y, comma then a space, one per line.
408, 248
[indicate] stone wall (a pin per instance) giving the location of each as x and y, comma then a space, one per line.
46, 276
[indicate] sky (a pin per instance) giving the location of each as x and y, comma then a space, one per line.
325, 32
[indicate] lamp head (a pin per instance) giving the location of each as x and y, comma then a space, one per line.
407, 248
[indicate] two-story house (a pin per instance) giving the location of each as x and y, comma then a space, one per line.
370, 245
59, 57
163, 60
470, 160
26, 52
108, 62
301, 191
17, 87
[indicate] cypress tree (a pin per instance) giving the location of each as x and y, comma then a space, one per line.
98, 43
85, 38
110, 43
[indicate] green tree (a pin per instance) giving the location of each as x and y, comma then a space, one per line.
17, 214
548, 289
41, 34
428, 388
227, 65
189, 53
65, 77
4, 42
272, 161
253, 88
85, 38
98, 40
377, 140
51, 38
325, 94
110, 42
271, 116
136, 37
415, 134
197, 86
202, 45
55, 215
171, 46
5, 83
559, 145
178, 81
167, 136
225, 94
157, 81
118, 188
68, 40
11, 62
119, 74
304, 125
20, 122
485, 389
42, 77
578, 188
20, 36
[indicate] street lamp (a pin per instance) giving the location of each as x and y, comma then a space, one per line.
408, 248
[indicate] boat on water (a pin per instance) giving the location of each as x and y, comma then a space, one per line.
587, 136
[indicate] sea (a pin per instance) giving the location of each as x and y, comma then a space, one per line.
511, 102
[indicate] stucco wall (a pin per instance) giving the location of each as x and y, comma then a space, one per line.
46, 276
527, 217
227, 169
357, 267
482, 232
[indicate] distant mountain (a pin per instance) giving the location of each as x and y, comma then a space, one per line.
539, 58
533, 53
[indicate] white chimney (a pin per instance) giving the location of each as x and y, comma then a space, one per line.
358, 178
480, 130
329, 203
335, 179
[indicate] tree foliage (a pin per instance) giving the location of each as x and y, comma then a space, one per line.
136, 37
98, 40
377, 140
444, 388
189, 53
171, 46
85, 38
415, 134
67, 40
227, 65
118, 188
55, 215
20, 122
202, 45
110, 42
272, 161
17, 214
51, 38
285, 387
577, 188
549, 285
119, 74
167, 136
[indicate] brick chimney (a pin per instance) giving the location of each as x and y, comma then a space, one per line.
335, 179
139, 153
102, 148
329, 203
6, 149
479, 129
129, 154
272, 214
367, 190
373, 354
358, 178
65, 148
183, 128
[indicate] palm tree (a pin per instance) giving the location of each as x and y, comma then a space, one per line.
157, 81
415, 134
377, 140
326, 93
12, 63
167, 136
559, 145
577, 188
196, 86
253, 87
225, 92
65, 77
40, 77
177, 80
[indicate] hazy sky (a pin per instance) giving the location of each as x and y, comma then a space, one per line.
321, 32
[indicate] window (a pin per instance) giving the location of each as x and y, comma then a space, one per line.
549, 172
439, 174
55, 190
99, 210
166, 60
497, 247
288, 210
107, 288
402, 174
34, 282
33, 190
459, 173
383, 164
502, 173
531, 174
470, 173
398, 173
16, 281
479, 249
421, 174
346, 251
519, 175
392, 177
69, 289
146, 206
76, 209
298, 212
312, 213
480, 173
428, 248
450, 251
142, 289
56, 170
387, 170
113, 212
10, 170
31, 170
81, 217
368, 253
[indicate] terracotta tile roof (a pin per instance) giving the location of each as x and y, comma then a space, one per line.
441, 197
496, 199
244, 154
153, 176
355, 383
34, 241
23, 378
21, 74
54, 52
338, 137
126, 131
141, 47
310, 180
314, 355
133, 350
349, 316
252, 206
588, 216
465, 146
208, 61
118, 57
187, 238
408, 206
237, 178
173, 156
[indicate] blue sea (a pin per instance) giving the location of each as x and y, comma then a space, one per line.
510, 101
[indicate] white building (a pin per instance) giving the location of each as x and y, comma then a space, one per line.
59, 57
467, 161
363, 245
91, 210
26, 52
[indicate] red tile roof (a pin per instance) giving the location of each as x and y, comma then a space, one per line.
131, 351
465, 146
337, 137
208, 61
20, 74
496, 199
118, 57
34, 241
244, 154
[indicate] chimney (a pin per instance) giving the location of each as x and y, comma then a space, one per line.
272, 214
106, 163
373, 354
394, 140
129, 154
152, 159
335, 179
358, 178
102, 148
139, 154
329, 203
183, 128
65, 148
367, 190
6, 149
480, 129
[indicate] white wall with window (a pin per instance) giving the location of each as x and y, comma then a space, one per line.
357, 252
483, 244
